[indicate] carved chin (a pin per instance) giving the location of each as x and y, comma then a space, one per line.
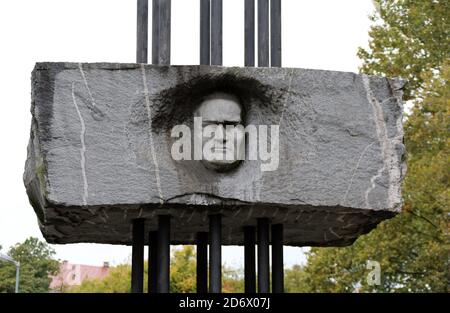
221, 165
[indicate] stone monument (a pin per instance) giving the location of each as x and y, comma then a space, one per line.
100, 151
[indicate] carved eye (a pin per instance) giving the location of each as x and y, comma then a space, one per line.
207, 123
231, 123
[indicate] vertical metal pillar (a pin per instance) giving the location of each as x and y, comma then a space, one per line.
277, 259
161, 31
249, 231
216, 32
202, 262
163, 259
155, 32
161, 14
165, 7
205, 59
249, 42
152, 260
277, 230
275, 33
249, 259
153, 235
263, 255
142, 31
263, 33
215, 253
137, 256
205, 32
16, 288
215, 221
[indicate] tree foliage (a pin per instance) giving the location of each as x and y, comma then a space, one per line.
183, 270
411, 41
36, 264
294, 279
182, 276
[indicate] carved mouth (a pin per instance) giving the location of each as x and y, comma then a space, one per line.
220, 149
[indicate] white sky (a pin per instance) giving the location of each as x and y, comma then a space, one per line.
319, 34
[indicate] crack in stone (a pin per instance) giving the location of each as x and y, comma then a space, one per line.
275, 213
80, 67
354, 172
332, 231
249, 215
206, 195
237, 212
286, 216
82, 150
190, 217
390, 159
152, 148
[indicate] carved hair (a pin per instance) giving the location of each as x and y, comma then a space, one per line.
176, 105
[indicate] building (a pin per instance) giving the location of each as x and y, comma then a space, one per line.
74, 274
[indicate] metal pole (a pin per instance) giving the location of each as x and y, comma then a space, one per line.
137, 256
249, 59
263, 33
161, 32
275, 33
277, 259
277, 230
17, 277
263, 255
17, 264
152, 260
163, 259
205, 32
155, 32
161, 55
249, 259
142, 31
216, 32
215, 253
202, 262
164, 31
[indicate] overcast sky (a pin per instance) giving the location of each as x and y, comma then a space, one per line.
318, 34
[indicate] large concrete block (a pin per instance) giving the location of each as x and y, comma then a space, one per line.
99, 152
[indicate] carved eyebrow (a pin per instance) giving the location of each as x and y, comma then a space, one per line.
223, 121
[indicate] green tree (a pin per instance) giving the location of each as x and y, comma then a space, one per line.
183, 270
294, 279
182, 276
37, 263
232, 279
411, 40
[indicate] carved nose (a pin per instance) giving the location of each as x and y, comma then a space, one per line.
220, 135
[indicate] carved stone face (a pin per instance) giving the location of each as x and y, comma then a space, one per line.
218, 111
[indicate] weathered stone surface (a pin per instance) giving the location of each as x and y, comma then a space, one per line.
99, 153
